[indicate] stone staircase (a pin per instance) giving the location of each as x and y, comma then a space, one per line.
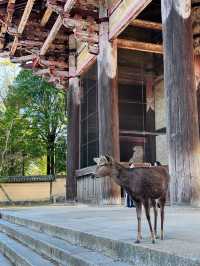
28, 243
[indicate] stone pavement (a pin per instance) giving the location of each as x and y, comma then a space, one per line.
182, 225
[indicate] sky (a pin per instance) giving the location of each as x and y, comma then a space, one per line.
8, 72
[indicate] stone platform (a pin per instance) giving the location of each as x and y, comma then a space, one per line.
111, 231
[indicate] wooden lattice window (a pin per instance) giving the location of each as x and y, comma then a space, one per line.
89, 147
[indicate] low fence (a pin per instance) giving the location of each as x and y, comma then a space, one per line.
31, 189
94, 190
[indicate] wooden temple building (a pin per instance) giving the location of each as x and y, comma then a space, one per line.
131, 72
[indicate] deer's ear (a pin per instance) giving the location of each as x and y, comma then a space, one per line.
96, 160
109, 158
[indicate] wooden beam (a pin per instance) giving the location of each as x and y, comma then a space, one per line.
56, 27
22, 24
46, 16
59, 64
124, 14
140, 46
144, 24
41, 62
23, 59
84, 36
30, 43
72, 23
56, 73
84, 60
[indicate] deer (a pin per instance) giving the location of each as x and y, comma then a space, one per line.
147, 186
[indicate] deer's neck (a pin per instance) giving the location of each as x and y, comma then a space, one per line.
119, 174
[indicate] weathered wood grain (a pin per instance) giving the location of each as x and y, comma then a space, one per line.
140, 46
108, 107
182, 116
125, 12
73, 124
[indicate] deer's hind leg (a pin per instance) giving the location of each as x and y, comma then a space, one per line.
139, 214
154, 205
162, 208
147, 212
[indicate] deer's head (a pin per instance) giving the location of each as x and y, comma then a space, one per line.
104, 165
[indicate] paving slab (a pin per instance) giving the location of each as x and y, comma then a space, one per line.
182, 226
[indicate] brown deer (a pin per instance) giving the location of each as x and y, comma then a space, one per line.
146, 186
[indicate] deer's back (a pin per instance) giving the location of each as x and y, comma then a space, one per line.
148, 182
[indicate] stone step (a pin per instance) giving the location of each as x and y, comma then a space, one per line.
4, 261
57, 249
20, 255
144, 254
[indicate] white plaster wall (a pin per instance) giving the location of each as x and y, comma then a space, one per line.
160, 121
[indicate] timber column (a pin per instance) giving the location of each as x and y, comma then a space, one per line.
73, 104
182, 115
108, 105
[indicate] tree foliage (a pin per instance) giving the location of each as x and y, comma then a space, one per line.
32, 126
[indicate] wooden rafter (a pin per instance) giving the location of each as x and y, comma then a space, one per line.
22, 24
46, 16
146, 24
41, 61
140, 46
124, 14
56, 27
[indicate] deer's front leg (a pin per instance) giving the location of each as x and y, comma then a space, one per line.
147, 211
139, 215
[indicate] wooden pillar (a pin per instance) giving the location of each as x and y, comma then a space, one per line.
108, 106
150, 145
197, 83
73, 104
182, 116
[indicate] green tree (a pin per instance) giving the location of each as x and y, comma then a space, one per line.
19, 143
34, 120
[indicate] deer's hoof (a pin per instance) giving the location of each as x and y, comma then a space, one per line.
137, 241
153, 241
